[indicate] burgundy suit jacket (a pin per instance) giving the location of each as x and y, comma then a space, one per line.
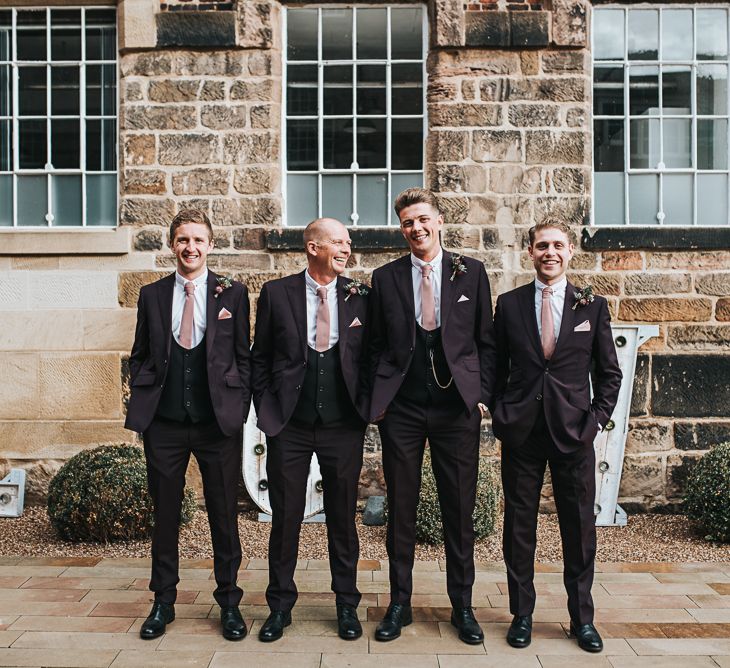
467, 331
526, 382
226, 347
280, 350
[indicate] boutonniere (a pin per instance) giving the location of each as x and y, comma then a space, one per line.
355, 287
224, 282
583, 297
457, 266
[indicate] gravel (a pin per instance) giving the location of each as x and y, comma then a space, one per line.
667, 538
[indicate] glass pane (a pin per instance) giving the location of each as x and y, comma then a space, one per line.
32, 91
643, 199
6, 91
608, 91
678, 201
338, 90
101, 35
406, 145
712, 199
712, 27
65, 99
65, 34
6, 35
66, 198
609, 198
399, 183
301, 197
711, 144
337, 34
608, 34
608, 146
371, 89
677, 34
372, 199
301, 145
31, 34
65, 144
101, 83
32, 153
337, 144
301, 34
644, 91
301, 90
337, 198
101, 146
6, 146
676, 90
372, 33
406, 34
644, 144
407, 89
101, 200
643, 34
677, 143
32, 201
712, 89
6, 200
371, 142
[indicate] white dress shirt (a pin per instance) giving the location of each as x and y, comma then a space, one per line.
313, 304
199, 312
557, 301
435, 278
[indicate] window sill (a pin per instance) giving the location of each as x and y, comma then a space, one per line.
655, 238
45, 241
363, 239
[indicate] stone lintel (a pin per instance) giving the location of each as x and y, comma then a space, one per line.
507, 29
371, 239
196, 29
81, 241
655, 238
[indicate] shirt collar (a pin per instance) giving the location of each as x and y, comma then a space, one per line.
558, 288
199, 282
435, 263
313, 285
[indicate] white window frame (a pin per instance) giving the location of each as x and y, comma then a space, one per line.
693, 116
354, 62
83, 117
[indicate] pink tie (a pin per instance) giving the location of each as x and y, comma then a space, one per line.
188, 317
548, 328
322, 336
428, 303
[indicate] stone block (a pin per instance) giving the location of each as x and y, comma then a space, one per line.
515, 179
722, 310
255, 24
40, 330
490, 238
213, 91
690, 385
231, 263
249, 90
148, 211
577, 117
250, 148
265, 116
255, 280
657, 284
255, 180
81, 386
72, 290
148, 240
20, 389
713, 284
196, 29
189, 149
455, 209
108, 329
133, 91
549, 89
534, 115
146, 64
222, 238
461, 237
604, 284
496, 146
586, 262
139, 150
529, 29
130, 283
678, 469
141, 117
263, 211
247, 238
174, 90
644, 437
201, 182
529, 63
642, 477
260, 64
448, 23
665, 309
563, 61
144, 182
699, 337
692, 260
465, 115
444, 90
558, 148
448, 146
641, 393
622, 261
570, 180
487, 28
570, 22
207, 63
455, 178
571, 210
493, 90
700, 435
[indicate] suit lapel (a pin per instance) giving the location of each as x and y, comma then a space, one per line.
296, 291
404, 285
446, 288
527, 309
343, 314
211, 312
164, 298
567, 323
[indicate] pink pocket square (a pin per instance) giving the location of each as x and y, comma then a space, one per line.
585, 326
356, 323
224, 314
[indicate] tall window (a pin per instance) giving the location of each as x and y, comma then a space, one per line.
58, 102
354, 111
660, 104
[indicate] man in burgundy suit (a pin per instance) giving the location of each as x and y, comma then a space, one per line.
550, 340
307, 354
432, 365
190, 382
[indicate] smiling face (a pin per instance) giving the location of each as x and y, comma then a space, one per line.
551, 252
329, 250
420, 225
191, 246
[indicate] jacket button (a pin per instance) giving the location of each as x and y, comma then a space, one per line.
165, 362
298, 387
539, 397
187, 403
304, 364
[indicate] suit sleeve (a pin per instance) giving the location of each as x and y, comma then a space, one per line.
241, 344
375, 337
141, 346
502, 354
606, 375
485, 337
262, 350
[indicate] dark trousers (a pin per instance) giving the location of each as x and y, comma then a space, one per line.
167, 446
453, 438
339, 451
574, 488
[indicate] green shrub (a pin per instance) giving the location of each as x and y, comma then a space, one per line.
707, 493
101, 495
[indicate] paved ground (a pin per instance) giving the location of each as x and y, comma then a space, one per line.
87, 612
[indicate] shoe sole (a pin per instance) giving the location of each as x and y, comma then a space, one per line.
518, 645
235, 638
344, 637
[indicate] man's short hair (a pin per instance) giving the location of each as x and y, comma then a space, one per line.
190, 216
550, 222
413, 196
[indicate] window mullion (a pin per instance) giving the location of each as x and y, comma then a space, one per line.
49, 154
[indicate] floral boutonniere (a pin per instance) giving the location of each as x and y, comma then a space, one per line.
457, 266
583, 297
224, 282
355, 287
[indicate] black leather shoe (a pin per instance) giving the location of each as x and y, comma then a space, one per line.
160, 616
520, 631
469, 630
348, 625
234, 628
397, 616
273, 627
587, 637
